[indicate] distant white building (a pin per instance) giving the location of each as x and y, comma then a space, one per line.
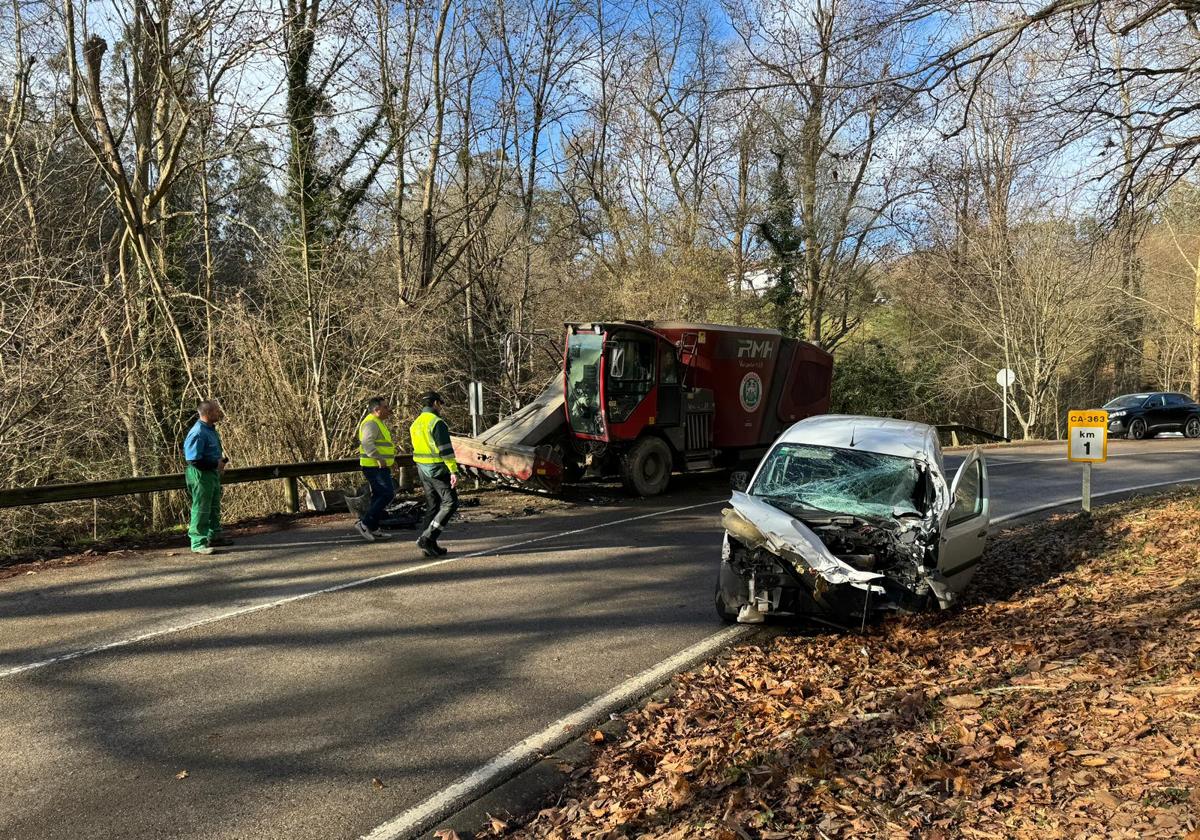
758, 279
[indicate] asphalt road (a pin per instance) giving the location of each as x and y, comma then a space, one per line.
117, 676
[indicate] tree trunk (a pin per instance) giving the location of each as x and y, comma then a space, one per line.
1195, 379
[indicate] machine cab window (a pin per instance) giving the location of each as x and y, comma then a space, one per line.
585, 352
631, 370
668, 365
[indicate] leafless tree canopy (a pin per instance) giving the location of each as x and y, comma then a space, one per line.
294, 206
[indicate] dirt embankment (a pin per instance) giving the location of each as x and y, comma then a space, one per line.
1062, 701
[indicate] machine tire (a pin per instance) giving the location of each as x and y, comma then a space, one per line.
1137, 429
1191, 428
646, 467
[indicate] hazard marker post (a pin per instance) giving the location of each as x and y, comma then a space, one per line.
1087, 443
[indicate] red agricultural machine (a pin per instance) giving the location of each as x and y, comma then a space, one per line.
642, 399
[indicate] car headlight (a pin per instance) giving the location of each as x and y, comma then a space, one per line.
1116, 415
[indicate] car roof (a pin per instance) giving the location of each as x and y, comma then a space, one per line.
881, 435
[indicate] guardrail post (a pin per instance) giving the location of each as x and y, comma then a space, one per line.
408, 477
291, 487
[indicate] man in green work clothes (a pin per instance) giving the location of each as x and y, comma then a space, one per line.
433, 454
205, 466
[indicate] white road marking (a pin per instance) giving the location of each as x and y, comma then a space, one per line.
1017, 461
223, 616
425, 815
1071, 501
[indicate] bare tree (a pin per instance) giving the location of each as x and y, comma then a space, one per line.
832, 182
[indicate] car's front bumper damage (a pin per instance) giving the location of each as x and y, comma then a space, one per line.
840, 568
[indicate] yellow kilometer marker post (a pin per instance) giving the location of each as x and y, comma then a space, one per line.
1087, 442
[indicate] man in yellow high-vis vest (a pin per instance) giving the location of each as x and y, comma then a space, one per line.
376, 455
433, 454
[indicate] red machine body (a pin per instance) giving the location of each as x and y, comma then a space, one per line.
761, 381
643, 399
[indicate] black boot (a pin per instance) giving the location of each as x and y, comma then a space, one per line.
428, 546
441, 552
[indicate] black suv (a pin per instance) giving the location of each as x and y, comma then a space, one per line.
1139, 416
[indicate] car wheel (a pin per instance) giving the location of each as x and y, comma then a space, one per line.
1192, 427
1137, 429
723, 612
729, 583
646, 467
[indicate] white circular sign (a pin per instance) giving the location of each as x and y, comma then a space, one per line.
1005, 378
751, 391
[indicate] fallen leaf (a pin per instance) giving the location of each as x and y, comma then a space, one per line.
182, 774
446, 834
377, 783
964, 701
597, 737
680, 789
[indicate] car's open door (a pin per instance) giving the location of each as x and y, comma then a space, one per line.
965, 531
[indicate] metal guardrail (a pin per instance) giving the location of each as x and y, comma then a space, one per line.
289, 473
955, 429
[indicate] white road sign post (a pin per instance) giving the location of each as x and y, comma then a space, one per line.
1005, 379
475, 399
1087, 443
475, 403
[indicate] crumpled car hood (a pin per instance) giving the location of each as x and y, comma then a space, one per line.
758, 524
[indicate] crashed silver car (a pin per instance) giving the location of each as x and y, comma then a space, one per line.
848, 518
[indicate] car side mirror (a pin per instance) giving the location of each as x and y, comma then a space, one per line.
739, 480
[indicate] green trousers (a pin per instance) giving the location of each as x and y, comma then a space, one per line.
205, 488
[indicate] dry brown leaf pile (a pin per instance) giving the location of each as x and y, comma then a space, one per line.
1062, 701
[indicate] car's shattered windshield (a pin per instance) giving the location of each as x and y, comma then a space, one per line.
798, 477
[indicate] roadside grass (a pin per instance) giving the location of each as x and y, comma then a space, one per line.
1061, 700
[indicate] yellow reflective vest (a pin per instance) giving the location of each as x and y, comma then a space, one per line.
383, 444
431, 442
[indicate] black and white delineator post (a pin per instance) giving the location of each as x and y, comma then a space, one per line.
475, 403
475, 400
1087, 443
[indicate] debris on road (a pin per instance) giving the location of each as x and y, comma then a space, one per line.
182, 774
1060, 701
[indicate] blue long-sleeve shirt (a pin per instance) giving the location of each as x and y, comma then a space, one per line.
202, 446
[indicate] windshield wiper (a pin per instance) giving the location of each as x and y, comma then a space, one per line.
795, 506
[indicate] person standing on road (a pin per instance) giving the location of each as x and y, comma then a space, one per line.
434, 456
376, 455
205, 467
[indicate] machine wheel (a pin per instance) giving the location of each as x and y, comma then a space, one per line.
1192, 427
646, 467
1137, 429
